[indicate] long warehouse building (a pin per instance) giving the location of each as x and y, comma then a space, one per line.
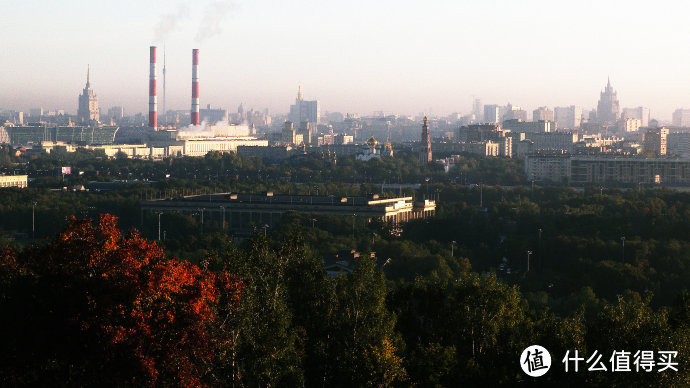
240, 211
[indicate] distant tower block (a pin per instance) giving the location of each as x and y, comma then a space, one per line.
153, 103
425, 149
88, 103
195, 87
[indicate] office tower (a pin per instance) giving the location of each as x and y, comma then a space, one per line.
116, 113
641, 113
213, 115
568, 117
288, 133
608, 108
655, 141
88, 102
307, 130
492, 114
515, 113
425, 149
629, 124
477, 109
681, 118
542, 114
304, 110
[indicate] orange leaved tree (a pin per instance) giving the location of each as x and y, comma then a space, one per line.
96, 307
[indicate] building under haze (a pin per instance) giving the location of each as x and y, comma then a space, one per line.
477, 109
492, 114
655, 141
304, 110
608, 108
681, 118
88, 103
425, 149
640, 113
215, 115
568, 117
542, 114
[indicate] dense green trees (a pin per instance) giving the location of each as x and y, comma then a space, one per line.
454, 304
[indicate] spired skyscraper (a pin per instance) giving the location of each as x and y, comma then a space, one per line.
425, 148
88, 103
304, 111
608, 109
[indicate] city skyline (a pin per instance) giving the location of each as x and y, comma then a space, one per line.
395, 57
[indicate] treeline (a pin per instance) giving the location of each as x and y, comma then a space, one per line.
98, 307
311, 167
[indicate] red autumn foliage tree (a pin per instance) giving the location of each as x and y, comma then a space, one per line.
96, 307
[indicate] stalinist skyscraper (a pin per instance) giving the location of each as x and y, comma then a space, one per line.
608, 109
425, 148
88, 103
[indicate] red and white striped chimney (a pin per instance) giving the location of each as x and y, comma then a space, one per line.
195, 87
153, 103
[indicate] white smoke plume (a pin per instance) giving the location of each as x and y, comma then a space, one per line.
215, 13
169, 22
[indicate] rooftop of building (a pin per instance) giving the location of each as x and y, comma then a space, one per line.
269, 197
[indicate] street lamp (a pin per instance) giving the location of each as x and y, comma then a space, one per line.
313, 220
528, 255
33, 221
452, 245
541, 251
264, 228
159, 226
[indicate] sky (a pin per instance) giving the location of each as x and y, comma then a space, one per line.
394, 56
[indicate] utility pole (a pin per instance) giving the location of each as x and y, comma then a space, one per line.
528, 255
452, 245
159, 226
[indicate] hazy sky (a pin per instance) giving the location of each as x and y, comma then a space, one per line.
395, 56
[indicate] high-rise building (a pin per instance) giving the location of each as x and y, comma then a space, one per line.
629, 124
304, 110
655, 141
515, 113
425, 149
213, 115
477, 109
568, 117
289, 134
492, 114
88, 102
681, 118
307, 130
608, 108
116, 113
542, 114
641, 113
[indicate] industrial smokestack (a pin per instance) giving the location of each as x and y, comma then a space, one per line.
195, 87
153, 106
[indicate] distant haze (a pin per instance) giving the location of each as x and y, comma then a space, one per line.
395, 56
